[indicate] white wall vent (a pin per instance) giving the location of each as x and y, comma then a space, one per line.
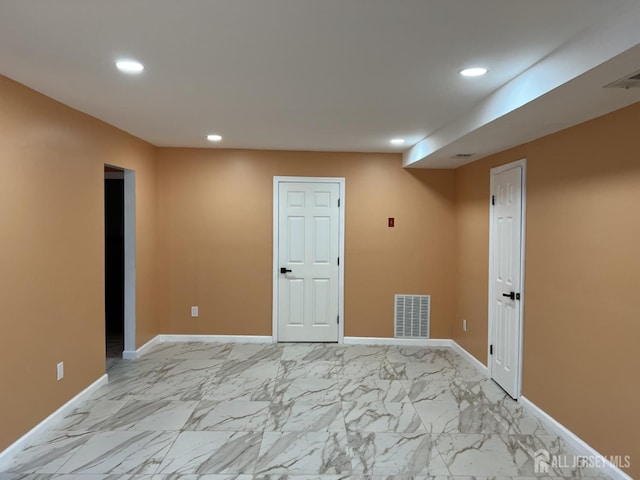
630, 81
412, 316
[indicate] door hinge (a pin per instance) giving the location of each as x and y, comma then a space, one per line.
338, 321
338, 203
493, 199
490, 349
338, 261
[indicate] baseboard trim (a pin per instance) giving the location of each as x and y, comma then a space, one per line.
419, 342
215, 338
575, 442
470, 358
134, 354
9, 453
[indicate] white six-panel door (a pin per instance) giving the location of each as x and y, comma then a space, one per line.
308, 251
506, 257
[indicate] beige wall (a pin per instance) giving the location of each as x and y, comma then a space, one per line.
52, 251
582, 320
215, 249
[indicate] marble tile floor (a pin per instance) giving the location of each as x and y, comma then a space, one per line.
293, 412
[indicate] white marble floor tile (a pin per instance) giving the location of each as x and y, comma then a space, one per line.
212, 452
132, 368
306, 417
418, 354
307, 390
457, 417
381, 417
204, 351
120, 452
229, 415
179, 371
432, 390
249, 368
362, 354
256, 352
290, 369
376, 390
284, 476
26, 476
48, 452
305, 453
212, 476
90, 414
113, 476
164, 351
201, 411
501, 454
240, 388
143, 416
124, 388
368, 369
309, 353
395, 454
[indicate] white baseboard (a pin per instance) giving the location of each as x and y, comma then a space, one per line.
134, 354
576, 443
8, 454
470, 358
216, 338
419, 342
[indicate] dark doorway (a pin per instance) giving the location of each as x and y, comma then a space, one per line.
114, 261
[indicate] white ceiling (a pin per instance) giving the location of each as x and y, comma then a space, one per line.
341, 75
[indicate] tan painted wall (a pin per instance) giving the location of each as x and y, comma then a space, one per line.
582, 316
52, 251
215, 248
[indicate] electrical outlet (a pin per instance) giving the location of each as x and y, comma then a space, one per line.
194, 311
60, 371
464, 325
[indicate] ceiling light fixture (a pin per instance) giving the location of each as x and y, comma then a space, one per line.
473, 71
129, 66
214, 137
396, 141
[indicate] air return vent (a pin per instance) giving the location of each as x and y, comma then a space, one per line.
412, 316
630, 81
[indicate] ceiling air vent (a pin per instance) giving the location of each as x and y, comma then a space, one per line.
630, 81
463, 155
413, 313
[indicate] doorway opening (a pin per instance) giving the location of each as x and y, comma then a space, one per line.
114, 261
120, 262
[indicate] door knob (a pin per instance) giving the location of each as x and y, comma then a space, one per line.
284, 270
511, 295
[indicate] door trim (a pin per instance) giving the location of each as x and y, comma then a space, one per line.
129, 263
496, 171
276, 239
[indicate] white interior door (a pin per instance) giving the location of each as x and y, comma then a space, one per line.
308, 251
506, 246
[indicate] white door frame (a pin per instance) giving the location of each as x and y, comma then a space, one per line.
276, 239
496, 171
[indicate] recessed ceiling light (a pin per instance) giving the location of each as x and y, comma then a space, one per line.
396, 141
129, 66
473, 71
214, 137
